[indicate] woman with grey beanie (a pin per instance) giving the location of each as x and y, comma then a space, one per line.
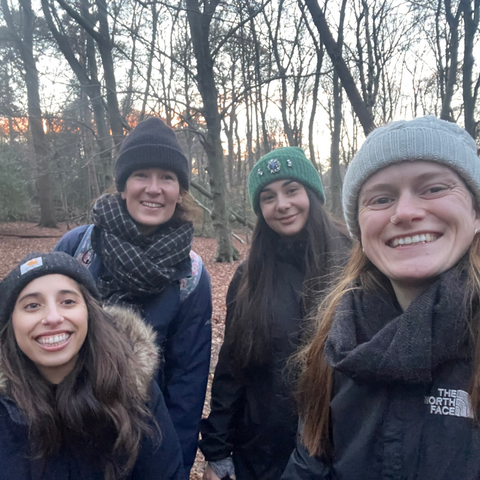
391, 380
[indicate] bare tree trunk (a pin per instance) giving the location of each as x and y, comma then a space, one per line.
87, 138
451, 80
471, 19
336, 177
25, 45
320, 54
105, 47
282, 73
348, 83
200, 29
150, 60
258, 74
127, 101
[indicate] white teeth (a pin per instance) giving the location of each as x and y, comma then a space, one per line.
54, 340
423, 238
152, 205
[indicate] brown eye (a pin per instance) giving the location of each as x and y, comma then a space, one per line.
31, 306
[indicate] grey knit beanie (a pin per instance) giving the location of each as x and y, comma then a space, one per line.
426, 138
35, 265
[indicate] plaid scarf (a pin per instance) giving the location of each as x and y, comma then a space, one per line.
137, 265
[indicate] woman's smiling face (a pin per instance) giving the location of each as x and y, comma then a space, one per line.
152, 195
285, 206
50, 323
435, 221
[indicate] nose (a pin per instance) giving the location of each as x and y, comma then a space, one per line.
153, 186
409, 209
283, 202
53, 315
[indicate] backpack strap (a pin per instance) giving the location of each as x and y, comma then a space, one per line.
84, 252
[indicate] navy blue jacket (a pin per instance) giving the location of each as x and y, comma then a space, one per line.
157, 459
398, 432
181, 317
154, 462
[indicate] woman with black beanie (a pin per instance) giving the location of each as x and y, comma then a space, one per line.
139, 252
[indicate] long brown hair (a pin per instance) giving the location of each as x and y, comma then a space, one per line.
315, 383
326, 248
98, 404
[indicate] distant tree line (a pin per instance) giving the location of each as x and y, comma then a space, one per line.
235, 79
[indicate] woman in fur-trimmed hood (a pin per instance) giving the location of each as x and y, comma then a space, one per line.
77, 395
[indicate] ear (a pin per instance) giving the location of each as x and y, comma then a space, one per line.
123, 195
180, 197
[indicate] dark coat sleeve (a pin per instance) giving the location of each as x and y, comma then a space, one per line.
218, 430
160, 461
303, 466
187, 364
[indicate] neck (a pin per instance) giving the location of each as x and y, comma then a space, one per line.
406, 294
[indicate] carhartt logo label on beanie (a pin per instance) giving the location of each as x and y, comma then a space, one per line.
30, 265
36, 265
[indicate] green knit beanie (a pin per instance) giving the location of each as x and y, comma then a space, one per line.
279, 164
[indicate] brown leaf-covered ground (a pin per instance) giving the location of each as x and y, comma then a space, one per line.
18, 239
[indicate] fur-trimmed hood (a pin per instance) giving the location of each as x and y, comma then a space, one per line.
142, 338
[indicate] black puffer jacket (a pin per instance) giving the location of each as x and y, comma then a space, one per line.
255, 420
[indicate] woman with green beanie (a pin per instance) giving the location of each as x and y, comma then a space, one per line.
250, 432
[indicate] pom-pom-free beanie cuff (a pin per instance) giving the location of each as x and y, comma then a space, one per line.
279, 164
36, 265
151, 144
427, 138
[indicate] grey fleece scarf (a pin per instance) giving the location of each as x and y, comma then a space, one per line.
373, 340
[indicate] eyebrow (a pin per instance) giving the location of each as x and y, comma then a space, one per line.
284, 184
38, 294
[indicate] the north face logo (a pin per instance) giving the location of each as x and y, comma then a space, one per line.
450, 402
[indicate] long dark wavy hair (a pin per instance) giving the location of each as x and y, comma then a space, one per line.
327, 244
98, 405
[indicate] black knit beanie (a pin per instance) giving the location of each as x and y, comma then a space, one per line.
151, 144
36, 265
